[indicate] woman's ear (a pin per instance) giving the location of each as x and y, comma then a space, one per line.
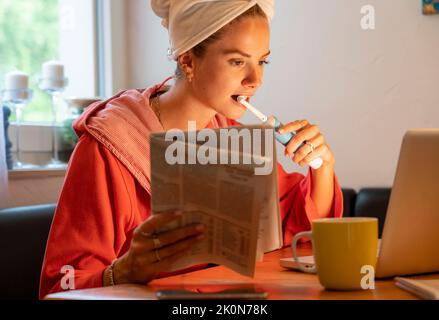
186, 62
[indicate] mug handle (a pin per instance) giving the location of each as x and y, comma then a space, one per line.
301, 265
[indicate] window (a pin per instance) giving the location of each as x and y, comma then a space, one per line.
28, 37
35, 31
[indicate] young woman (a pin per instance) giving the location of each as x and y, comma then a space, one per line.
103, 226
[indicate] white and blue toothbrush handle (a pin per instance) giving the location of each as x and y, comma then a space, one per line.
286, 138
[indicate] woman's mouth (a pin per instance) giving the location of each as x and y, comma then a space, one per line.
235, 99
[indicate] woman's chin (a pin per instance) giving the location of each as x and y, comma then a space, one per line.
234, 114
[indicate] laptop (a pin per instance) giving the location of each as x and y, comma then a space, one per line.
410, 239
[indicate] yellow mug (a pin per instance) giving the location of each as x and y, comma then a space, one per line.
345, 252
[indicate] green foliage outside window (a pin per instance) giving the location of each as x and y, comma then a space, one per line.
29, 36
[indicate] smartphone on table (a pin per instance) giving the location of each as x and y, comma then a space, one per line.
246, 294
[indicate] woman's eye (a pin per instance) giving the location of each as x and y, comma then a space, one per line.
239, 63
236, 63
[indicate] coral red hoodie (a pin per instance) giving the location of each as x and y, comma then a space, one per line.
107, 192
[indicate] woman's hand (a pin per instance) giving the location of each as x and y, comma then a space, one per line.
315, 146
150, 254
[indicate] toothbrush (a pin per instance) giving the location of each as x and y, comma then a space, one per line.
273, 122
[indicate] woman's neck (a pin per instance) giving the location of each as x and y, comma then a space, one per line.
178, 106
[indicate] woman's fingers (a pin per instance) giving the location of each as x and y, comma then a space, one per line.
179, 234
308, 133
310, 147
150, 253
182, 245
159, 255
168, 263
293, 126
307, 144
170, 237
319, 152
140, 266
155, 222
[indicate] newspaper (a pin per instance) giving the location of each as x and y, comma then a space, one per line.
239, 208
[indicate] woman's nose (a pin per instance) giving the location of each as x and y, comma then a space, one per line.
253, 78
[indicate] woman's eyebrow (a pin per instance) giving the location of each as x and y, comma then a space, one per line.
237, 51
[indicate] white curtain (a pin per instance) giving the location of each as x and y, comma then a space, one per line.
3, 167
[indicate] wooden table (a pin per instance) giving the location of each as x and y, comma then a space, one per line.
280, 283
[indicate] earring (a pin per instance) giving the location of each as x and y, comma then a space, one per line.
189, 77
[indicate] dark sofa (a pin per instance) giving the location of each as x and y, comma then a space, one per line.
24, 232
23, 237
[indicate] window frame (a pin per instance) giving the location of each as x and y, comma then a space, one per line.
36, 136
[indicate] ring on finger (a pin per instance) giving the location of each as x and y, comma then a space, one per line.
157, 243
157, 255
311, 145
147, 234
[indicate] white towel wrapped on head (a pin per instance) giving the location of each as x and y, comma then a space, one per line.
190, 22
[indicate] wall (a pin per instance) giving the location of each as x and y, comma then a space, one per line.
363, 88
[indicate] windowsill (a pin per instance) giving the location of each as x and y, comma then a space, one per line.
36, 173
35, 124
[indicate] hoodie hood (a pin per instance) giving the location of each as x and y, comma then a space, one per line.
124, 123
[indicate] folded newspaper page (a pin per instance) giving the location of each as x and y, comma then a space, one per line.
223, 184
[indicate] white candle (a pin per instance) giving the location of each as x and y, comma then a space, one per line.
53, 75
53, 69
16, 80
16, 86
